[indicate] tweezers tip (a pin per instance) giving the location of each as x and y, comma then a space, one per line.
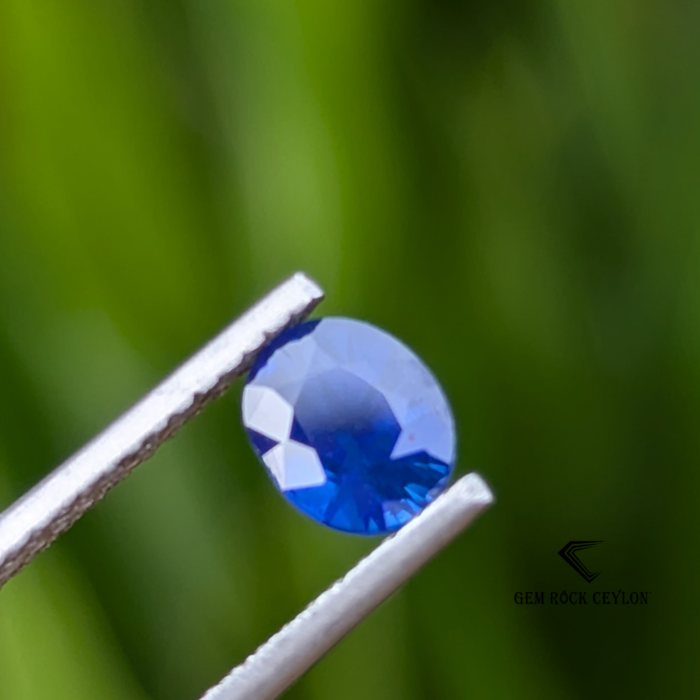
308, 285
474, 489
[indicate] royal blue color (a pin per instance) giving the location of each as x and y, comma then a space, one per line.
352, 427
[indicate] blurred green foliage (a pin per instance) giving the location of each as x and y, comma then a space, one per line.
509, 187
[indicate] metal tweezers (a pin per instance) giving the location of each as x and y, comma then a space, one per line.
33, 522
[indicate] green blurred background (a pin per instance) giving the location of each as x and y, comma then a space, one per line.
511, 187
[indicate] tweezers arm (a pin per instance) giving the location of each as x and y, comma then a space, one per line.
34, 521
295, 648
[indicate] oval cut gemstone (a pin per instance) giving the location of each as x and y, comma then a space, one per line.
352, 427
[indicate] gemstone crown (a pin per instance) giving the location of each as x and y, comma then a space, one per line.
352, 427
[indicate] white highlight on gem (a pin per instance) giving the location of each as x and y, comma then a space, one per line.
295, 466
266, 412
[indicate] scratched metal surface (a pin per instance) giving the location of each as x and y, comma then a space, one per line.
34, 521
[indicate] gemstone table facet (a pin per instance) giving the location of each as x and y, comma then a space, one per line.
352, 427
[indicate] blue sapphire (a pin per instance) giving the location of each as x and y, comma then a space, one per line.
351, 425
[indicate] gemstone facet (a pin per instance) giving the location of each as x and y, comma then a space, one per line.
353, 428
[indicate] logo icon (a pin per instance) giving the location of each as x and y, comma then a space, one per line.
568, 554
